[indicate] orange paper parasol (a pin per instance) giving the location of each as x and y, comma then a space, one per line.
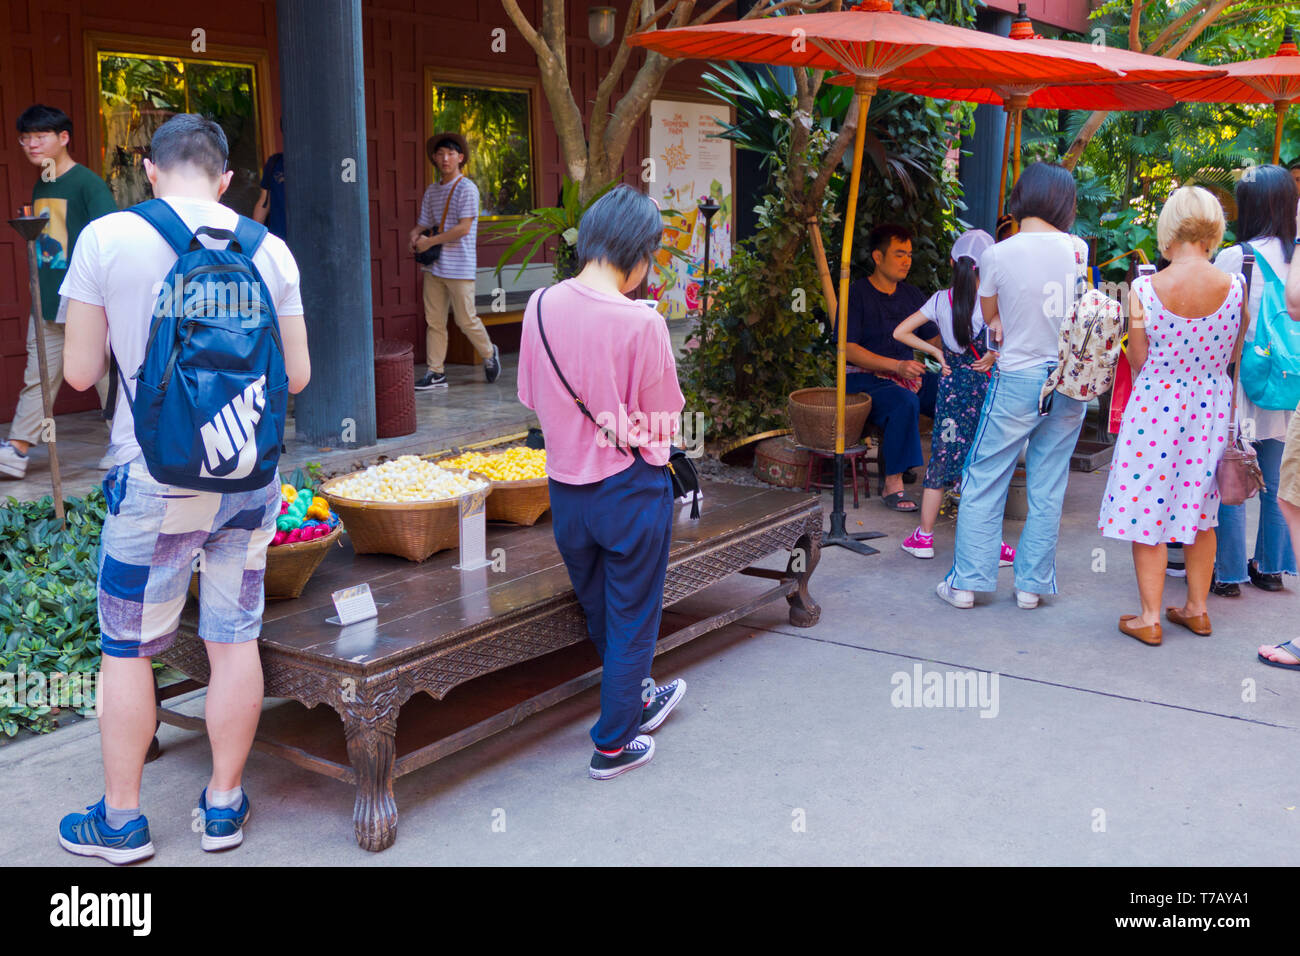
1272, 79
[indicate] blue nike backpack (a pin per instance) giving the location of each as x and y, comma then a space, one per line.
212, 393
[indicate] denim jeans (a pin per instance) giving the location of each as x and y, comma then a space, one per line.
1273, 553
1010, 415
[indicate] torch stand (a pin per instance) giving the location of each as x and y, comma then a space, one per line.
29, 227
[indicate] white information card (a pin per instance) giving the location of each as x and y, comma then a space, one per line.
354, 604
473, 532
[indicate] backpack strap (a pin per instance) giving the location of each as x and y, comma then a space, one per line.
169, 225
1247, 261
1248, 256
249, 234
1270, 276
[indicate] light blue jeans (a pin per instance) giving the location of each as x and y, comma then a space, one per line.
1010, 415
1273, 554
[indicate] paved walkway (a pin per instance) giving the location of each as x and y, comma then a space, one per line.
790, 746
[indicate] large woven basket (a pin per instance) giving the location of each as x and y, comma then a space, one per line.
519, 502
812, 416
290, 566
409, 529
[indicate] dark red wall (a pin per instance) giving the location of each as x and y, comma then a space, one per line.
42, 59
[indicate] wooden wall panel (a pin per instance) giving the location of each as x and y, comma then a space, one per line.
42, 60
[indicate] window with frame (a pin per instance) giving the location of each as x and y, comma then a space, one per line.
138, 92
497, 124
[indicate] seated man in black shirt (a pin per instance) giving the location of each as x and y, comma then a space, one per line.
886, 369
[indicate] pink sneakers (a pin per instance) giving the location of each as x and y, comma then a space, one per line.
919, 545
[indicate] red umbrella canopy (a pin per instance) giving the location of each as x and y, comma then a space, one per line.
1271, 79
871, 42
1135, 67
1069, 96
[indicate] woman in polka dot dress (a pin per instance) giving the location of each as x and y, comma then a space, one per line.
1161, 487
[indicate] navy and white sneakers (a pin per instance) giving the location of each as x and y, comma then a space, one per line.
605, 766
88, 834
656, 711
641, 749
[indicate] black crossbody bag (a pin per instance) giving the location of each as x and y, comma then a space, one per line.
681, 470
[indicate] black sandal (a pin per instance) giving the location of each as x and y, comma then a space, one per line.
893, 501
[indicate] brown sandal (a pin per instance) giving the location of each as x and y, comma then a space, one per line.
1150, 635
1197, 625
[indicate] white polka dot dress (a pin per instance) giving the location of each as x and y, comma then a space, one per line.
1175, 429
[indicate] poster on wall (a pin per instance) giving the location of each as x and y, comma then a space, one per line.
689, 164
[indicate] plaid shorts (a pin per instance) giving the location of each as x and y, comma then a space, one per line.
156, 536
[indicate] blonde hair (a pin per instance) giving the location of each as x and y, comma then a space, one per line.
1191, 214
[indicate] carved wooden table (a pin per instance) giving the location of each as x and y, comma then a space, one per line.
439, 628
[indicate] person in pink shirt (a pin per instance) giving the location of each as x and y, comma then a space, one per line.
598, 369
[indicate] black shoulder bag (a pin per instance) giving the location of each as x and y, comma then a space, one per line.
681, 470
431, 255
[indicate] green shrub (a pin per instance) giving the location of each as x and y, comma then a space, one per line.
49, 622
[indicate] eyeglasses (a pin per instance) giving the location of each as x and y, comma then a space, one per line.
31, 139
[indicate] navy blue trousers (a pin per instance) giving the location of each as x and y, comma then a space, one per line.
614, 536
897, 411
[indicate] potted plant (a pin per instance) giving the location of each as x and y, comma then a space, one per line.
553, 223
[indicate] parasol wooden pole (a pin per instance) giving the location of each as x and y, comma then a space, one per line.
823, 267
1006, 161
1018, 104
864, 88
38, 323
1280, 108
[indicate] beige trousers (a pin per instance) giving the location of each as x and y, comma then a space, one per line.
26, 425
437, 292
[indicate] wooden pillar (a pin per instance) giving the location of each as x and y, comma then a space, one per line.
322, 99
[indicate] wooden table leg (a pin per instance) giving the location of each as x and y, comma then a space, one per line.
804, 611
371, 731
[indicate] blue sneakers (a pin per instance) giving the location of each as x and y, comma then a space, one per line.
88, 834
223, 827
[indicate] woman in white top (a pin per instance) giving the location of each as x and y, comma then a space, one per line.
1027, 286
1266, 220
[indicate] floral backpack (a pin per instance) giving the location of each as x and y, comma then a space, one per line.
1089, 344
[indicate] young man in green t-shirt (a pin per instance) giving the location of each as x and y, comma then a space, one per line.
69, 195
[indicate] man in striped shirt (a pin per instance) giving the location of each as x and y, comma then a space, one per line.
450, 210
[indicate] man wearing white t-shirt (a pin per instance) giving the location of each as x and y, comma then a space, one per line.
153, 531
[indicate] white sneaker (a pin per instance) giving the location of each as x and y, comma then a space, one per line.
12, 463
955, 596
1026, 599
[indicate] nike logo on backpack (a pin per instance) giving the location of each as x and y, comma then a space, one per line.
232, 431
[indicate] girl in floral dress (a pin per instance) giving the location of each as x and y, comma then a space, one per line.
961, 389
1161, 487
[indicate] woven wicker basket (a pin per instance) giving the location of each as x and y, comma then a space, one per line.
519, 502
289, 566
409, 529
812, 416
